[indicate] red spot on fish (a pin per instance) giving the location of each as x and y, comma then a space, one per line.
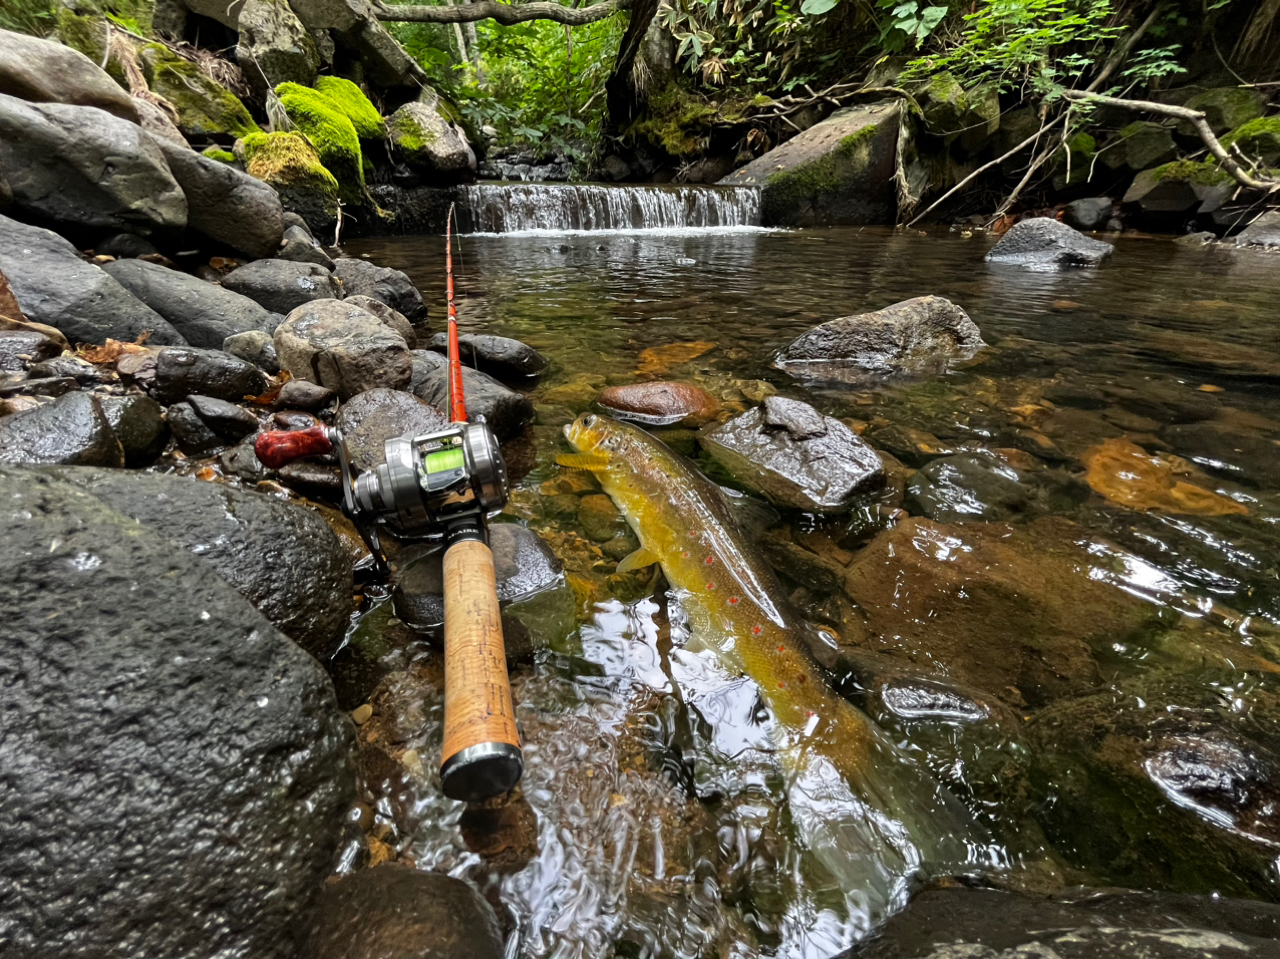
710, 560
756, 630
782, 649
685, 554
711, 586
809, 714
782, 685
733, 600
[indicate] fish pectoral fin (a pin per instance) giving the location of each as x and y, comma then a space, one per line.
583, 461
637, 560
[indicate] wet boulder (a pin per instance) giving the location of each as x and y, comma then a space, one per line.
42, 71
228, 420
967, 923
71, 430
393, 319
505, 410
58, 288
500, 356
1044, 244
282, 557
392, 287
795, 457
968, 486
181, 371
282, 285
20, 349
369, 419
84, 167
1263, 233
916, 336
1013, 612
254, 346
139, 424
194, 436
343, 348
300, 247
302, 395
166, 704
837, 172
203, 313
396, 912
70, 366
661, 403
1164, 782
226, 204
424, 139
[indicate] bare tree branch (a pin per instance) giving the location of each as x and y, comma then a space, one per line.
1196, 119
506, 14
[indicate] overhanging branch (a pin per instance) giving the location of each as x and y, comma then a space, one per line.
506, 14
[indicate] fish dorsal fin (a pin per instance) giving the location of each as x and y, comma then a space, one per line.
637, 560
595, 462
752, 515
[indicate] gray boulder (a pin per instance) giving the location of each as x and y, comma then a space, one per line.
124, 246
227, 419
20, 349
343, 348
396, 912
58, 288
194, 436
505, 410
226, 204
1262, 233
795, 457
839, 171
499, 356
300, 247
281, 557
42, 71
157, 122
282, 285
919, 335
139, 424
255, 346
1045, 244
274, 46
302, 395
392, 287
87, 168
425, 139
1090, 213
72, 430
369, 419
181, 371
203, 313
180, 735
392, 318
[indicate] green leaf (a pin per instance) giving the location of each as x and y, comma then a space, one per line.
813, 8
930, 17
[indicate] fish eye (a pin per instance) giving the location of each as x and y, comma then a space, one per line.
589, 420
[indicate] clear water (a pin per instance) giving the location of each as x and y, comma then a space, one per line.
655, 820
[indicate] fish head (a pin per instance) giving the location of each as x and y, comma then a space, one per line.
594, 433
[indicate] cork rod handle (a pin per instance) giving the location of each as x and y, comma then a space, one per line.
482, 757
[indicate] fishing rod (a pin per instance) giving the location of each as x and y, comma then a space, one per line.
442, 486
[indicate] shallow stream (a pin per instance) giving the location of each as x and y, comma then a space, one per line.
1066, 615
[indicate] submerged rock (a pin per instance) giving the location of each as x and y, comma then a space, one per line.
505, 410
203, 313
499, 356
56, 287
796, 457
369, 419
166, 704
343, 348
42, 71
282, 285
661, 403
71, 430
1045, 244
968, 486
392, 287
283, 558
839, 171
395, 912
915, 336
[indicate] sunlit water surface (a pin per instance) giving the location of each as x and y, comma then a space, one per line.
657, 820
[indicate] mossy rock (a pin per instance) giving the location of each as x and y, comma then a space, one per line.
1147, 144
332, 134
677, 121
1081, 149
1224, 108
982, 116
1204, 174
1258, 138
205, 108
350, 100
943, 101
222, 156
288, 161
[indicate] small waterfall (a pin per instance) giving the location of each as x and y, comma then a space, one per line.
545, 207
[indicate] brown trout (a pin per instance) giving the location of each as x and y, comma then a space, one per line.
737, 608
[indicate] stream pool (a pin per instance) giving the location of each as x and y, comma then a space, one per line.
1063, 606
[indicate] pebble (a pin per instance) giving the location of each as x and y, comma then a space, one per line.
361, 714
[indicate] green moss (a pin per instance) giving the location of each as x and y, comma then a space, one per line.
1259, 138
1225, 107
1083, 144
408, 136
350, 100
1204, 174
205, 107
222, 156
288, 161
331, 133
677, 121
826, 175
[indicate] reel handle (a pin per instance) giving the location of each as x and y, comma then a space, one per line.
481, 757
278, 448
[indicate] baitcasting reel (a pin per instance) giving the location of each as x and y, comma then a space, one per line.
442, 484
